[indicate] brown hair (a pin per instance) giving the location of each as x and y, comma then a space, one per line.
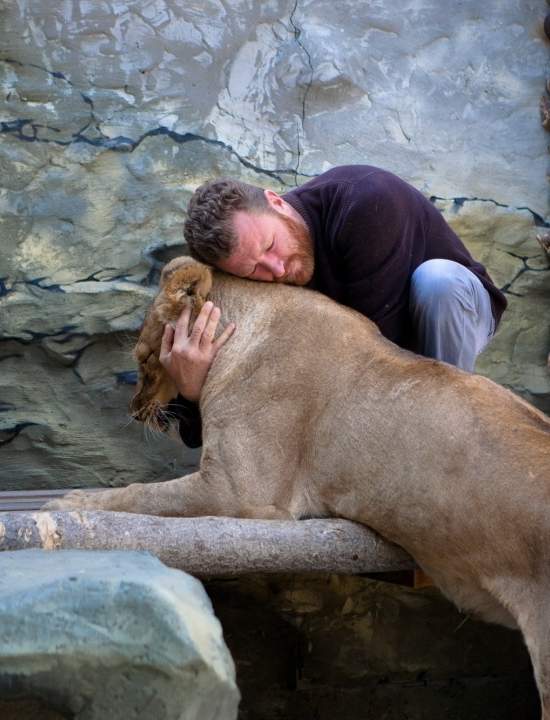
208, 229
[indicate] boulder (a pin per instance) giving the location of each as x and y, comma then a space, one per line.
111, 636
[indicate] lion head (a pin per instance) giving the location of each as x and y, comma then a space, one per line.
183, 281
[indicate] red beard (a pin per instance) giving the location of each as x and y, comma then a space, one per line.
300, 263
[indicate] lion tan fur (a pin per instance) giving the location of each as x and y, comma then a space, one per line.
309, 411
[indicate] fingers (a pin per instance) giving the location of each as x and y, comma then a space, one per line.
211, 325
182, 324
202, 334
201, 322
167, 340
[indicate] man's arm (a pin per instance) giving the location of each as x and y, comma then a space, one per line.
377, 247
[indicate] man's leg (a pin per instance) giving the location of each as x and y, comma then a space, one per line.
451, 313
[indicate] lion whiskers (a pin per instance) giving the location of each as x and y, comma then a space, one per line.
131, 420
155, 417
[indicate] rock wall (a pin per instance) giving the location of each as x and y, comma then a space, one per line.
113, 111
322, 647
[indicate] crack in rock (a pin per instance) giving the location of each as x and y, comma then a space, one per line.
37, 282
4, 289
8, 288
16, 430
122, 143
460, 201
127, 377
65, 334
507, 287
297, 33
19, 128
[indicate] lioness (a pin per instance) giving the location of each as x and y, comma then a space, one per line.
310, 411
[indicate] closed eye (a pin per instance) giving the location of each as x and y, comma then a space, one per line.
256, 266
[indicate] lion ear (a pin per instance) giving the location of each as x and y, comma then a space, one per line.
200, 288
184, 281
185, 267
187, 282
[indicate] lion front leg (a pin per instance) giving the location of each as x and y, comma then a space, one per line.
187, 496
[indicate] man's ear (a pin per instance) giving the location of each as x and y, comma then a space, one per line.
275, 201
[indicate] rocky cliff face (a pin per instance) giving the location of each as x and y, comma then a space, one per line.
112, 112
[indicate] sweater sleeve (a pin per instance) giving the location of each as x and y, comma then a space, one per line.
376, 251
189, 416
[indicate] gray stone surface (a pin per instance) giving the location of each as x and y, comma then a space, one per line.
111, 635
112, 112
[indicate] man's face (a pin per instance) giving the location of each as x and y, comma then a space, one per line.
271, 247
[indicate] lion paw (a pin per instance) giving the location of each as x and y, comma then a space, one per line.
74, 500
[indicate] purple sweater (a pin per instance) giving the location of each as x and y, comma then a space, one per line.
370, 231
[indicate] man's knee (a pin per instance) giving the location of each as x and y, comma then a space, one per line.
439, 280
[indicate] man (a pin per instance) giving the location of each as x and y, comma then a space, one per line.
356, 233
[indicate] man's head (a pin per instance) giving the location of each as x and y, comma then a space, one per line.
248, 231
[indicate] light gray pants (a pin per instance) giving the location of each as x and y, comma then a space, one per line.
451, 313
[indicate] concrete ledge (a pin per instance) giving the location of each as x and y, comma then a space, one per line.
211, 546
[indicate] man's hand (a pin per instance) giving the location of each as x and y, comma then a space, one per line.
187, 357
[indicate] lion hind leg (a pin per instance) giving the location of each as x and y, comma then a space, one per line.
527, 599
534, 622
536, 634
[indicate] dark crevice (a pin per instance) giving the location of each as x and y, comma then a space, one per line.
297, 34
112, 278
92, 277
506, 288
127, 377
54, 287
78, 376
76, 355
27, 130
4, 290
64, 335
459, 202
15, 430
126, 144
525, 259
37, 282
53, 73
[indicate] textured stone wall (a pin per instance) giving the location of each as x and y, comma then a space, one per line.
112, 112
324, 647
